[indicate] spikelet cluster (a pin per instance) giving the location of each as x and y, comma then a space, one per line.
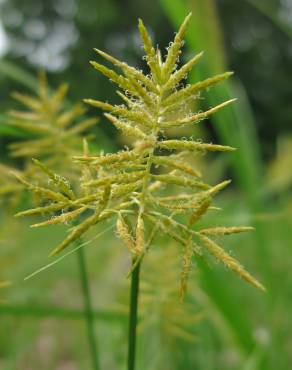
54, 127
150, 188
56, 132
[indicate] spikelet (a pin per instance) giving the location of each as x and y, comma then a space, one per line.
127, 129
192, 146
176, 77
113, 76
129, 71
108, 159
44, 192
51, 209
116, 179
176, 164
140, 238
60, 182
174, 51
120, 111
151, 56
85, 225
180, 181
186, 266
63, 218
124, 233
154, 188
229, 261
196, 117
203, 204
191, 91
225, 230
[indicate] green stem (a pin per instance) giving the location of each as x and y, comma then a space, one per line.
88, 311
133, 316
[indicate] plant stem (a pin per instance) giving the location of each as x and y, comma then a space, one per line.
88, 311
133, 316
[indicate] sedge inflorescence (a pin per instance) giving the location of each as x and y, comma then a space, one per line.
56, 127
150, 188
53, 132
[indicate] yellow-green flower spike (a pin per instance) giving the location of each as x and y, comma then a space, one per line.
174, 50
229, 261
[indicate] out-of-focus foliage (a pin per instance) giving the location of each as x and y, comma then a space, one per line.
3, 284
260, 53
53, 133
163, 314
279, 177
55, 129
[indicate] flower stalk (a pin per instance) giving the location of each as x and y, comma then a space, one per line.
133, 315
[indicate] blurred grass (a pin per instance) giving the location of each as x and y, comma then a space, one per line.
10, 131
56, 312
235, 124
269, 9
12, 71
17, 74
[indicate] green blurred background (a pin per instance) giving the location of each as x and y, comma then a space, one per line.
41, 322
